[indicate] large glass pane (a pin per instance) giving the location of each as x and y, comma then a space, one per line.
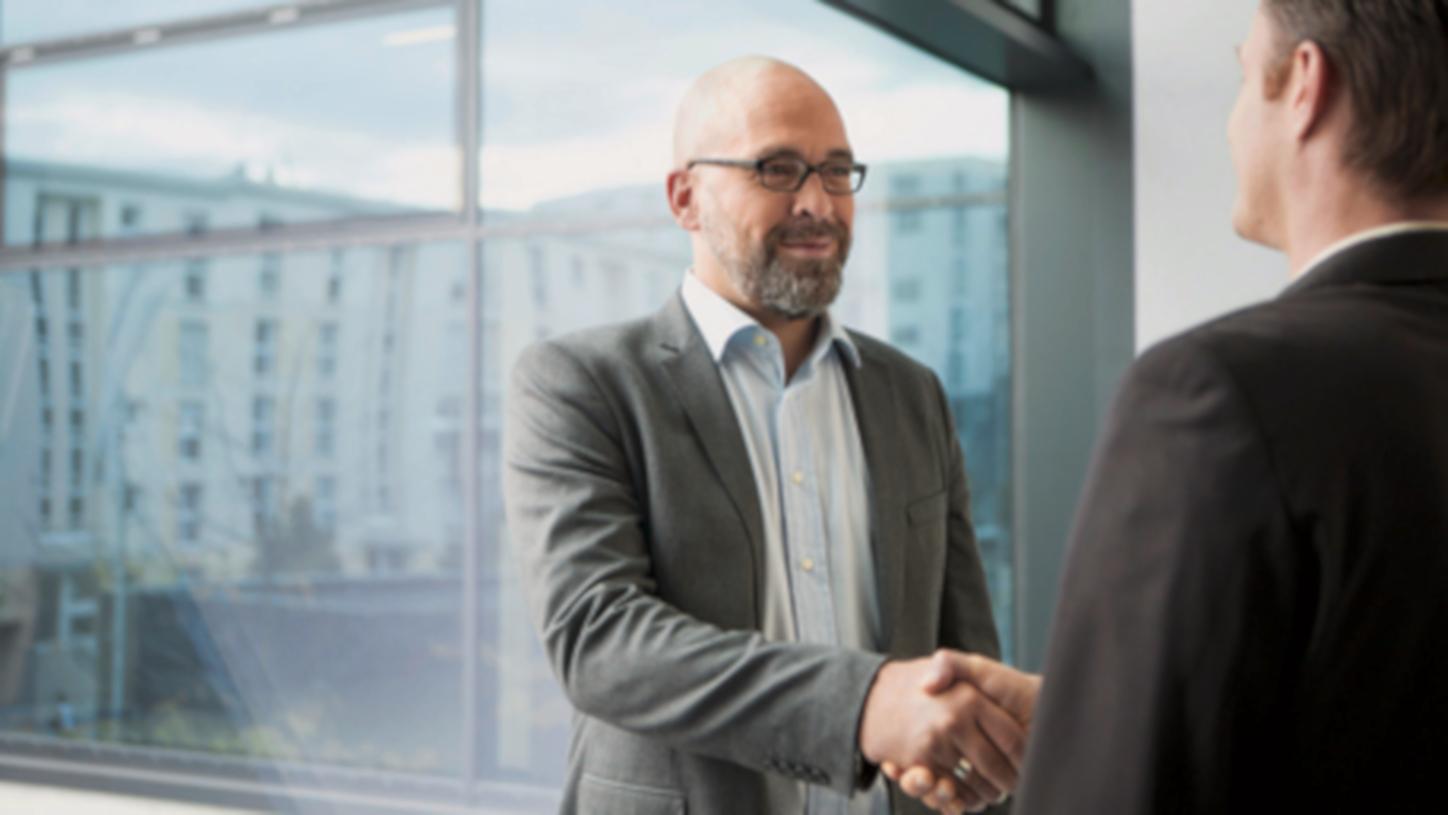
32, 20
202, 136
575, 190
232, 520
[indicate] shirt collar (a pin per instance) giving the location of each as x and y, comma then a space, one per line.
720, 321
1358, 238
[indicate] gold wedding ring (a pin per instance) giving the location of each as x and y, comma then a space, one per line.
962, 770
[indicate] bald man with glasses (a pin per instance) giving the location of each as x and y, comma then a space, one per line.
744, 528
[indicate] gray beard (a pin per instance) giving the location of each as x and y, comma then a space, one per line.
791, 289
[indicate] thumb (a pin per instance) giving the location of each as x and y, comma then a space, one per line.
941, 673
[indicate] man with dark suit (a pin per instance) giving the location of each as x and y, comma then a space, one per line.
743, 528
1254, 616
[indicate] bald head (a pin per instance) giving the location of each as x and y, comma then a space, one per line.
739, 99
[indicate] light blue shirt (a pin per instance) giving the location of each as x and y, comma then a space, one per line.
809, 467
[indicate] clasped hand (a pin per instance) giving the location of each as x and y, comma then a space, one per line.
950, 729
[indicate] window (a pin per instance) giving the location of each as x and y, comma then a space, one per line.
326, 427
264, 361
72, 289
191, 421
192, 346
263, 417
325, 502
279, 503
189, 513
375, 138
195, 280
130, 218
327, 350
270, 277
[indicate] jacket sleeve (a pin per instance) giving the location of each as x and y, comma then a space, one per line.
621, 653
1184, 606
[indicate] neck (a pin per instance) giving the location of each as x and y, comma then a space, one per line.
1333, 215
796, 335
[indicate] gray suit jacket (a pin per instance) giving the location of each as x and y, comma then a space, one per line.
633, 511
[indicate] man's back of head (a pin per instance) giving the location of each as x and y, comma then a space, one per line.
1342, 121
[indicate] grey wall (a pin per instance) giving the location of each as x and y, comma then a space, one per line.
1072, 276
1190, 266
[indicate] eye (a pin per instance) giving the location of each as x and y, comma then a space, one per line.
837, 170
780, 168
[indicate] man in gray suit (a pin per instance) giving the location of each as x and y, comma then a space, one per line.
743, 528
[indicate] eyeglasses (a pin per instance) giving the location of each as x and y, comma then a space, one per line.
788, 173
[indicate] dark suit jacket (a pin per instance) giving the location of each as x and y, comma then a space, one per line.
634, 513
1255, 611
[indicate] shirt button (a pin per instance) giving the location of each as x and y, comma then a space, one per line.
797, 477
807, 565
760, 339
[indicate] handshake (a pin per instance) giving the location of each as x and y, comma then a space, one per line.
950, 729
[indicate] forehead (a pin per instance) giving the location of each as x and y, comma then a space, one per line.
1260, 35
784, 112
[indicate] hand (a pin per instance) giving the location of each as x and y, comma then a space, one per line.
1013, 690
909, 721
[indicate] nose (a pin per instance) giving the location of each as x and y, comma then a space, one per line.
813, 200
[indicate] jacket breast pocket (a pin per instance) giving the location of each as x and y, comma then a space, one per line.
602, 796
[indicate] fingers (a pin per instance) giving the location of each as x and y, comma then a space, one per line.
944, 795
990, 763
1014, 691
1006, 734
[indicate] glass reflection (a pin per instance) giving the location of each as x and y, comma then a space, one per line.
189, 138
33, 20
237, 522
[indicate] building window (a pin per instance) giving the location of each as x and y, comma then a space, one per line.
130, 217
77, 468
194, 353
907, 215
76, 506
906, 290
268, 281
905, 335
189, 512
263, 410
190, 425
195, 280
327, 350
72, 289
324, 502
265, 360
196, 222
326, 426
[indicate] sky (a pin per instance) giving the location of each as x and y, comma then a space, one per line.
577, 95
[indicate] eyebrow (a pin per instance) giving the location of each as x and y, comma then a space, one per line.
773, 152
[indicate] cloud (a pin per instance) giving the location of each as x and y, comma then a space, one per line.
190, 138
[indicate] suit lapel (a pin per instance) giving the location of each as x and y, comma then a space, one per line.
698, 387
873, 395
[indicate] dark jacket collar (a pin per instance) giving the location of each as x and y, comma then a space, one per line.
1404, 257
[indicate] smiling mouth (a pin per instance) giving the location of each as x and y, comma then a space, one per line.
812, 246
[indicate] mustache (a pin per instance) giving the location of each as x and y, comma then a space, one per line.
809, 230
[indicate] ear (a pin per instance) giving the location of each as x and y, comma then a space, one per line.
1311, 90
681, 200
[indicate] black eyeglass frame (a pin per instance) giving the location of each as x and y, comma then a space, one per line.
857, 171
